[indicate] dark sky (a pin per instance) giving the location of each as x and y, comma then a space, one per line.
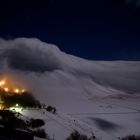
93, 29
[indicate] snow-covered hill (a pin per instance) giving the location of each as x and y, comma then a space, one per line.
94, 92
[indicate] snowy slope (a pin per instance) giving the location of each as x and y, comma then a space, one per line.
90, 91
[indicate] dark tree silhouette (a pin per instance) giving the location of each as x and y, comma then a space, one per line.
131, 137
40, 133
34, 123
77, 136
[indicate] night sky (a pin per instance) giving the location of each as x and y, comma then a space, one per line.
92, 29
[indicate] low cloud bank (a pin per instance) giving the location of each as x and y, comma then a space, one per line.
30, 55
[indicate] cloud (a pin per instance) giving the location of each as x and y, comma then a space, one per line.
22, 55
30, 55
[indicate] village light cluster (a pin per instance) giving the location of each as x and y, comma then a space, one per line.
7, 88
4, 86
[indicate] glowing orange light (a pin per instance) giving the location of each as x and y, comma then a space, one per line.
16, 90
6, 89
2, 83
23, 90
2, 106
